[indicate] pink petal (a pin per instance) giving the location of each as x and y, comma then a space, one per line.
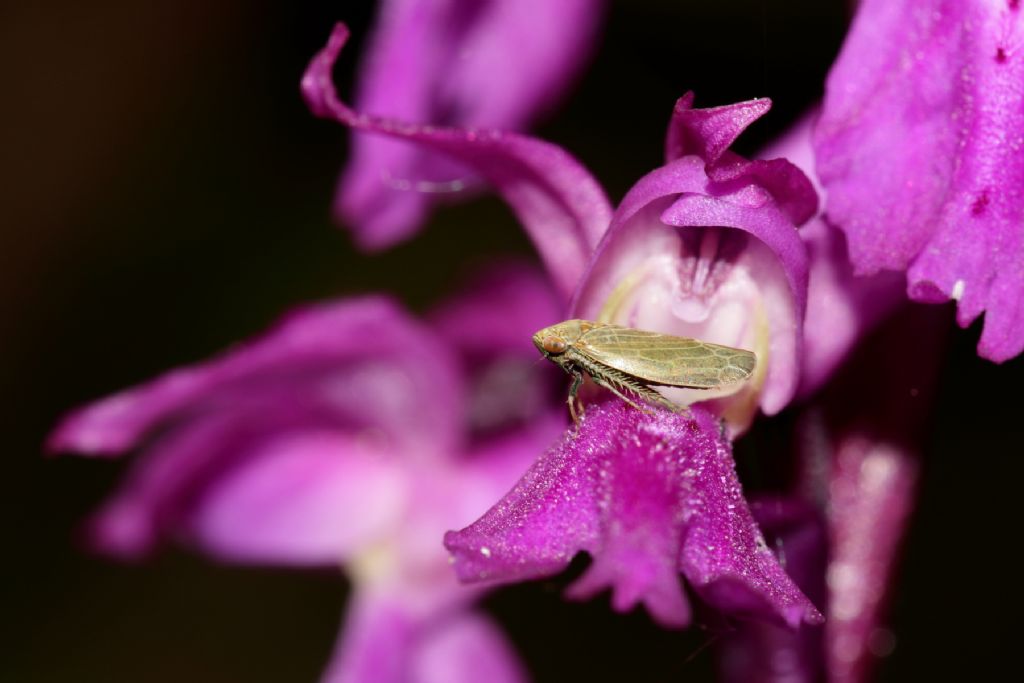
309, 498
495, 64
384, 642
561, 206
919, 147
359, 363
841, 306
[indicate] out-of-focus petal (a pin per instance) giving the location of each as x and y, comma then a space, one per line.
919, 146
493, 64
383, 641
358, 364
498, 310
466, 648
873, 492
307, 498
647, 496
489, 323
841, 307
562, 207
375, 643
864, 462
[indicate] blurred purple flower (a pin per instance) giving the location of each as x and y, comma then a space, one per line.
490, 63
342, 436
919, 146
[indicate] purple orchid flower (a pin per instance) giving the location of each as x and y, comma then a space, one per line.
342, 436
493, 63
919, 146
706, 246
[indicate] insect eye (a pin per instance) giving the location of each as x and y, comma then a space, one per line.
554, 345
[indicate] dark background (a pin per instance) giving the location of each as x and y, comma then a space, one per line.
165, 194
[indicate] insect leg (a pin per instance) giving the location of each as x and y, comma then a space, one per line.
577, 380
653, 396
601, 382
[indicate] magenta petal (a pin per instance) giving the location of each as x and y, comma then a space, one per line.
872, 495
919, 148
495, 64
466, 648
646, 496
708, 133
841, 307
375, 643
383, 641
359, 363
489, 323
308, 498
259, 453
561, 206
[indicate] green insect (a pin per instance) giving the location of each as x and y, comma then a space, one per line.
622, 359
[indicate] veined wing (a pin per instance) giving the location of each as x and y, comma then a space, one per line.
664, 359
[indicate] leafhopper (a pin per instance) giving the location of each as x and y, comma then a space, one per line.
627, 361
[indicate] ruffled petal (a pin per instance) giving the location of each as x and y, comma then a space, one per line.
495, 64
385, 642
561, 206
919, 147
648, 496
358, 364
708, 134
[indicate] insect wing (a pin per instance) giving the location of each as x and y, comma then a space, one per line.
664, 359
